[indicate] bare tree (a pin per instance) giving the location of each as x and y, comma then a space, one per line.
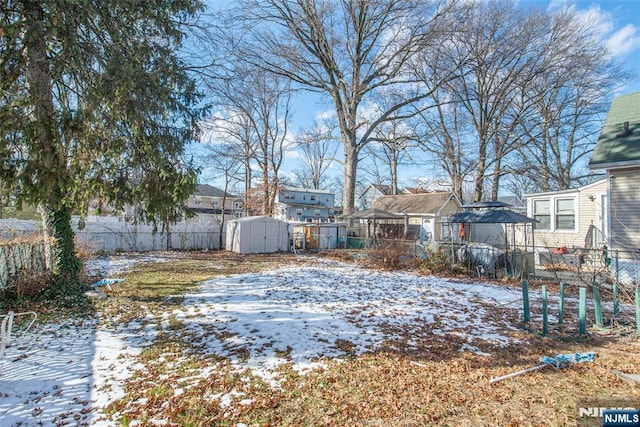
570, 99
318, 146
391, 145
255, 112
497, 60
445, 132
232, 130
226, 160
348, 50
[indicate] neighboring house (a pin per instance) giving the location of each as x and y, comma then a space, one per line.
414, 190
617, 153
424, 212
209, 200
570, 218
372, 193
304, 205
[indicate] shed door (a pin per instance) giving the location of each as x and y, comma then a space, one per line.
271, 238
257, 237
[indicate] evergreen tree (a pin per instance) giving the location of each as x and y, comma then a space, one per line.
95, 104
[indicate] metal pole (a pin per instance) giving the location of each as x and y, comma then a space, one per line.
616, 298
638, 310
561, 303
597, 303
545, 316
582, 311
525, 299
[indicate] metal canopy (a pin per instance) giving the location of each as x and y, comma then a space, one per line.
490, 217
490, 204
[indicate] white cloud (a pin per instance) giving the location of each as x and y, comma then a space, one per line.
624, 41
292, 154
326, 115
557, 4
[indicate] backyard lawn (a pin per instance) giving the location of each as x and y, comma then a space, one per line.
203, 339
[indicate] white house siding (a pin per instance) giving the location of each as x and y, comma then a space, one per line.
588, 210
624, 208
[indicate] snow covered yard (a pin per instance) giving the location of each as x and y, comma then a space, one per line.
237, 339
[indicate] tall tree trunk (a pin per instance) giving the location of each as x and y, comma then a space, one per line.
247, 185
394, 173
350, 168
266, 190
480, 171
66, 265
497, 171
51, 169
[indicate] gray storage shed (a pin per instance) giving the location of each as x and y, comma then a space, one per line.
257, 235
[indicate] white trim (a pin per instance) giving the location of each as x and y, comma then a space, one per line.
616, 165
567, 191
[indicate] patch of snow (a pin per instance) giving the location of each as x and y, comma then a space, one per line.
68, 372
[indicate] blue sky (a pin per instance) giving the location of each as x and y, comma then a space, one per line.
618, 21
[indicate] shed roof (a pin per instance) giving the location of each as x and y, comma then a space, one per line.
260, 218
427, 203
616, 145
491, 216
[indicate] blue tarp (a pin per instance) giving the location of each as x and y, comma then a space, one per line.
105, 282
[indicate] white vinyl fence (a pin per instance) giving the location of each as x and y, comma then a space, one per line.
21, 259
111, 235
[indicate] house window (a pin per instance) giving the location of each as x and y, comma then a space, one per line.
299, 212
542, 213
316, 212
313, 198
565, 214
289, 196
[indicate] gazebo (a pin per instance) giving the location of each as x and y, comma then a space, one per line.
469, 226
376, 217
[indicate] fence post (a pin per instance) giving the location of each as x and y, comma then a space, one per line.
561, 303
582, 311
545, 316
616, 300
618, 267
525, 298
597, 303
638, 310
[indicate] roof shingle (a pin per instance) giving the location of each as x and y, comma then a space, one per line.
615, 146
426, 203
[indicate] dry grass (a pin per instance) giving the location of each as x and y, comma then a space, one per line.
437, 385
